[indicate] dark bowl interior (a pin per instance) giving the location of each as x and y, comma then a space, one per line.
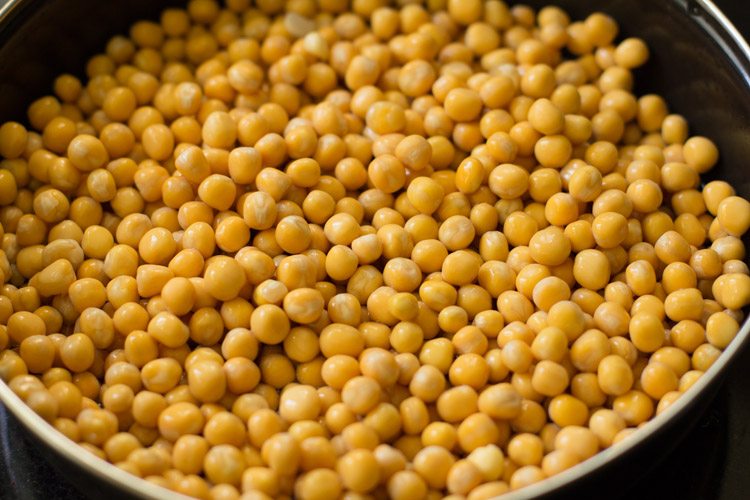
694, 64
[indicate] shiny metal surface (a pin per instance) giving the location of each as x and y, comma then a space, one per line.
70, 451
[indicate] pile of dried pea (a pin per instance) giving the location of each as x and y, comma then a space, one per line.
321, 249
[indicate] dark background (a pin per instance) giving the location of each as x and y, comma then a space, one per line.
712, 463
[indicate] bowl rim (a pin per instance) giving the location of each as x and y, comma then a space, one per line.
140, 488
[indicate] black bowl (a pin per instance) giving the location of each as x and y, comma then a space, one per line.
699, 63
